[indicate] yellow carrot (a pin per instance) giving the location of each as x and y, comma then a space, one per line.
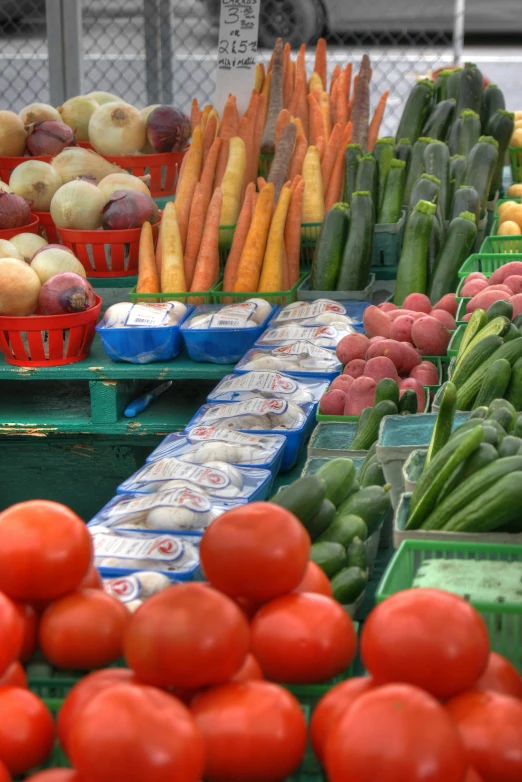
259, 77
172, 271
204, 116
313, 196
251, 261
148, 281
195, 114
272, 273
232, 182
315, 82
191, 170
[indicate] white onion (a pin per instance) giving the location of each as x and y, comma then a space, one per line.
117, 129
37, 182
12, 134
76, 112
77, 205
110, 184
76, 162
4, 187
147, 148
104, 97
8, 250
19, 287
38, 112
53, 261
27, 245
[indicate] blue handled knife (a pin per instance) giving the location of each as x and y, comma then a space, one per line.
142, 402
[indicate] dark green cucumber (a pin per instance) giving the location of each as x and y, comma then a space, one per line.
412, 273
514, 392
444, 422
337, 476
329, 249
493, 432
371, 504
351, 160
480, 168
509, 446
484, 455
465, 199
415, 111
478, 413
393, 193
404, 152
466, 393
330, 556
469, 490
370, 432
434, 476
458, 165
517, 321
512, 333
475, 358
492, 100
469, 131
322, 520
504, 412
453, 140
436, 163
348, 584
356, 554
303, 497
494, 508
374, 476
456, 247
371, 455
452, 84
426, 188
416, 166
357, 256
501, 126
499, 309
344, 529
409, 403
517, 431
499, 327
367, 178
387, 389
363, 420
475, 324
440, 119
494, 383
384, 153
441, 85
471, 84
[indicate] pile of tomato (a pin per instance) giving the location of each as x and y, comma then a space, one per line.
203, 695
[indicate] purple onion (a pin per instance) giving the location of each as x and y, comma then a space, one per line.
50, 137
168, 129
65, 292
14, 211
129, 209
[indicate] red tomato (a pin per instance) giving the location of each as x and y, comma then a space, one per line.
4, 773
472, 776
399, 729
249, 670
500, 676
187, 636
45, 550
92, 580
259, 551
253, 731
30, 635
84, 630
14, 676
55, 775
315, 580
303, 638
26, 730
332, 706
11, 632
428, 638
83, 692
137, 734
491, 728
249, 607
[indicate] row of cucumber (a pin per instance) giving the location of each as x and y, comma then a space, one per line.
340, 510
472, 476
488, 364
387, 402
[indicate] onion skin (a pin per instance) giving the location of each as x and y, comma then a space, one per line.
129, 209
76, 112
50, 138
12, 134
38, 112
64, 293
19, 288
14, 211
54, 247
76, 163
77, 205
114, 182
117, 129
37, 182
168, 129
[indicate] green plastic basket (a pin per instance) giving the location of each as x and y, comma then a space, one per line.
194, 297
461, 311
503, 245
486, 263
503, 619
226, 235
162, 201
515, 159
387, 242
265, 164
385, 272
277, 297
54, 687
310, 233
503, 201
456, 339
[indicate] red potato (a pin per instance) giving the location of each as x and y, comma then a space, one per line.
476, 276
387, 306
410, 382
333, 402
355, 368
449, 303
343, 382
360, 395
516, 301
376, 322
514, 283
402, 354
444, 317
401, 328
500, 287
401, 313
508, 269
472, 287
376, 339
485, 299
430, 336
417, 302
381, 367
352, 346
426, 373
466, 317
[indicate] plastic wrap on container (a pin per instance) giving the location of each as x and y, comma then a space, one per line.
321, 312
237, 388
134, 589
299, 359
321, 336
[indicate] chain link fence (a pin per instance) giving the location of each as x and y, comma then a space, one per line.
24, 69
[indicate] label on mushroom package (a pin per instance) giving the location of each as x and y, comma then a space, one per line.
126, 589
230, 318
256, 406
161, 548
148, 314
207, 433
266, 382
303, 348
327, 335
303, 310
185, 497
168, 469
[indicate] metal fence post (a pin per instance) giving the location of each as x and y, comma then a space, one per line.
53, 12
152, 49
458, 30
166, 51
72, 47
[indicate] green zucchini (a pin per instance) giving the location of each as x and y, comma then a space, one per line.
453, 140
484, 455
367, 178
330, 556
363, 419
435, 475
435, 243
416, 166
440, 119
426, 188
480, 168
436, 163
303, 497
393, 193
351, 161
371, 504
499, 309
387, 389
404, 152
357, 256
471, 84
493, 508
469, 490
415, 111
370, 432
465, 199
444, 422
322, 519
509, 446
348, 584
344, 529
494, 383
452, 84
457, 245
372, 451
475, 324
514, 392
337, 476
458, 165
517, 320
384, 153
501, 126
374, 476
469, 131
412, 273
492, 100
329, 249
356, 554
466, 393
408, 402
475, 358
441, 85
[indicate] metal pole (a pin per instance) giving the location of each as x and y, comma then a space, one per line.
72, 47
53, 13
152, 73
166, 51
458, 30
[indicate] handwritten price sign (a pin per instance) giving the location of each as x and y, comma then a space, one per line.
238, 30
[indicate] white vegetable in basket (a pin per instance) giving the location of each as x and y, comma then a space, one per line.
292, 418
128, 315
265, 361
236, 480
203, 453
180, 518
152, 582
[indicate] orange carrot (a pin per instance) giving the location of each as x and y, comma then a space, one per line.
158, 255
350, 107
275, 103
335, 185
259, 76
206, 273
195, 114
261, 183
299, 104
282, 121
335, 76
320, 60
316, 120
221, 165
191, 168
272, 272
321, 143
238, 242
341, 115
226, 131
251, 111
375, 124
195, 232
209, 172
347, 135
209, 135
293, 231
330, 154
324, 106
251, 260
148, 281
334, 100
184, 212
288, 84
246, 132
348, 79
296, 164
172, 271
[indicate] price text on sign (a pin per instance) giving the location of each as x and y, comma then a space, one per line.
238, 31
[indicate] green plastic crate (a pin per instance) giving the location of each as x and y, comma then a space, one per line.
453, 347
515, 159
387, 242
277, 297
385, 272
162, 201
503, 201
310, 233
461, 311
193, 297
504, 245
264, 166
486, 263
503, 619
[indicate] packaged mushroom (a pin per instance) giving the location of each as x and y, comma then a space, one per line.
128, 315
322, 312
135, 588
246, 314
299, 359
236, 388
321, 336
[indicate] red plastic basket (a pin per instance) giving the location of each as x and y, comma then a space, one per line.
9, 163
163, 168
31, 228
48, 340
106, 253
47, 227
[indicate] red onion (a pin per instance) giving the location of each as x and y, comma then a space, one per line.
65, 292
129, 209
168, 129
14, 211
49, 138
53, 247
